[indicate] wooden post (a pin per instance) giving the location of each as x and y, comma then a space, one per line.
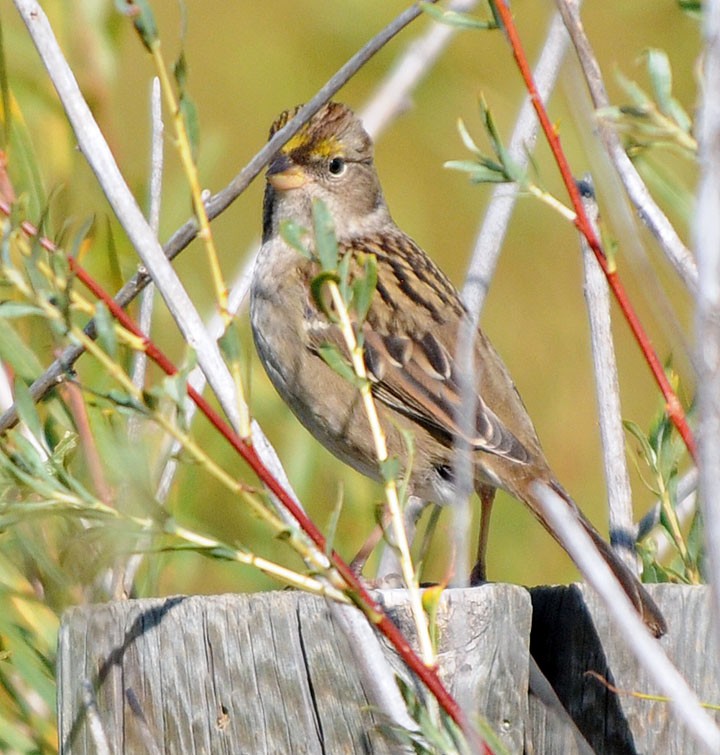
273, 673
270, 672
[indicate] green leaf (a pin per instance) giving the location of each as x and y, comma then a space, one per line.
457, 19
511, 170
343, 276
64, 449
317, 289
230, 343
143, 20
189, 113
105, 327
27, 411
325, 241
390, 469
188, 109
180, 71
333, 523
467, 140
175, 387
363, 288
477, 173
9, 310
647, 450
337, 362
658, 66
294, 235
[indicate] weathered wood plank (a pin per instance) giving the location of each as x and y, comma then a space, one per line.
572, 635
271, 673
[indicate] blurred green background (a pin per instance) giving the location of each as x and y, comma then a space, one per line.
247, 62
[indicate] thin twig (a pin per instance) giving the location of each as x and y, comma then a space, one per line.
647, 649
656, 221
125, 573
392, 497
707, 315
607, 392
155, 192
92, 717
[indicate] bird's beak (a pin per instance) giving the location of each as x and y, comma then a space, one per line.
283, 174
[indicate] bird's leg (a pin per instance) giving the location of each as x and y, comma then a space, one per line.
478, 575
358, 563
388, 561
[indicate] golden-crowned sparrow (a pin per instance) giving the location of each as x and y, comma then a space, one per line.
410, 338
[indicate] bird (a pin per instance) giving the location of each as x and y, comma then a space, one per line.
409, 335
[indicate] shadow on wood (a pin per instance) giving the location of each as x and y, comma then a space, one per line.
572, 635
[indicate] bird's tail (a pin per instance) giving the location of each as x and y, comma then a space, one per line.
639, 597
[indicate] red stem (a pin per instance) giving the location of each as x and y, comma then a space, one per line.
672, 403
371, 608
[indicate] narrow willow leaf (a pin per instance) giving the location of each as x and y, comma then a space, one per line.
658, 66
364, 288
10, 310
478, 173
457, 19
143, 20
511, 170
105, 327
647, 450
333, 523
294, 235
319, 293
192, 124
467, 140
230, 343
390, 469
343, 277
27, 411
335, 360
325, 241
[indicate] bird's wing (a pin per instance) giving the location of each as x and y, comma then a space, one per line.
419, 378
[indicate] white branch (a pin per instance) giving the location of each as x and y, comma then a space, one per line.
607, 393
707, 318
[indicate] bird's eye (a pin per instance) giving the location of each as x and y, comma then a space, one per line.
337, 166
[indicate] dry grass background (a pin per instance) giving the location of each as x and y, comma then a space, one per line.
247, 62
